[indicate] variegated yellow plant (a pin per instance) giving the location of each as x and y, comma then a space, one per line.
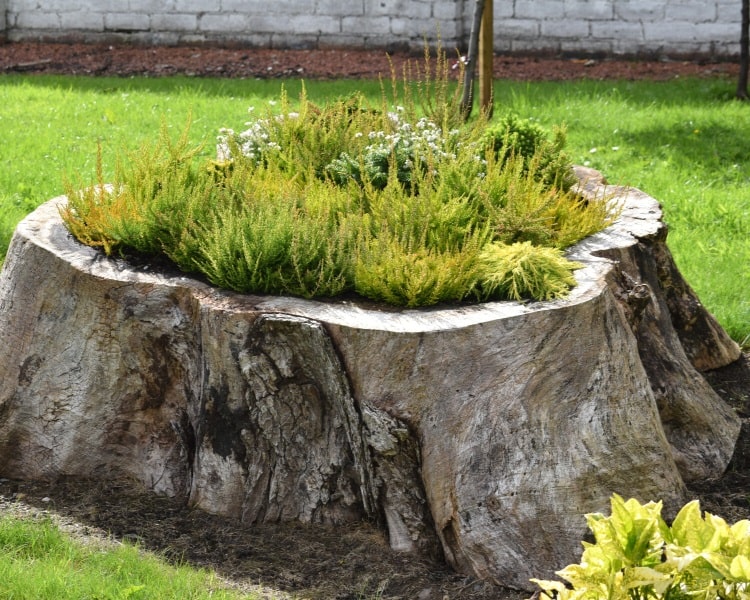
637, 556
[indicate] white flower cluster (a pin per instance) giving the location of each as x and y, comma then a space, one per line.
424, 141
252, 143
421, 140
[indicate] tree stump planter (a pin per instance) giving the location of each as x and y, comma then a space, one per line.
482, 433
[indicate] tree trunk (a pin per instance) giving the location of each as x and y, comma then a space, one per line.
467, 94
744, 51
482, 433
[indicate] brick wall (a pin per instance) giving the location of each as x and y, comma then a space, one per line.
634, 27
3, 11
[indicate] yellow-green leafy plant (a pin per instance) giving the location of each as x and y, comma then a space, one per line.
319, 201
637, 556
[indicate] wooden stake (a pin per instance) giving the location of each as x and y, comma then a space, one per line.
467, 95
486, 54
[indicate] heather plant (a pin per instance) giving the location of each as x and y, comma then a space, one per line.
319, 201
637, 556
406, 149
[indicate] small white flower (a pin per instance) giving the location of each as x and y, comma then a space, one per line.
222, 152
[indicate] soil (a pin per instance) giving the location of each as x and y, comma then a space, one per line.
296, 560
212, 61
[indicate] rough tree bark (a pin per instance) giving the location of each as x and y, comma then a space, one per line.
482, 433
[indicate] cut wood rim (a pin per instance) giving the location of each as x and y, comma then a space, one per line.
640, 217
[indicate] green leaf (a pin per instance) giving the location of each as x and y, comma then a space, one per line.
550, 586
555, 590
740, 530
690, 530
638, 557
740, 568
699, 566
633, 532
739, 538
638, 577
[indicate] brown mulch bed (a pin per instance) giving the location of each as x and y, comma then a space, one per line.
280, 561
295, 560
212, 61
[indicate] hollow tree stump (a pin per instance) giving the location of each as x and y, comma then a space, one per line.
482, 433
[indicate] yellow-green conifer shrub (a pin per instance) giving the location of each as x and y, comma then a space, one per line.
398, 272
521, 271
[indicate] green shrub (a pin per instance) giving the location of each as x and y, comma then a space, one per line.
513, 134
542, 156
320, 201
637, 556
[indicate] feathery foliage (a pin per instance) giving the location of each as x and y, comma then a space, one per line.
349, 197
521, 270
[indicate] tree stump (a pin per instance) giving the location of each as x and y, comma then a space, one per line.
481, 433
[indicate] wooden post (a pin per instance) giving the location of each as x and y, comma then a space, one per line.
467, 95
744, 51
486, 51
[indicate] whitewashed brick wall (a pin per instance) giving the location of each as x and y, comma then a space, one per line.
634, 27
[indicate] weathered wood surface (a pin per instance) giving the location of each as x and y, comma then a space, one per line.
480, 432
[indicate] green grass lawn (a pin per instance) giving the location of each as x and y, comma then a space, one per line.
40, 562
684, 142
